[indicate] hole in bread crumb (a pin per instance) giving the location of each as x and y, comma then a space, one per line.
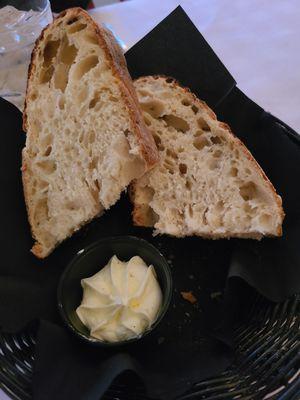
172, 154
41, 211
42, 185
188, 184
165, 95
76, 27
145, 195
203, 124
169, 80
204, 219
50, 52
219, 206
195, 109
198, 133
72, 21
61, 77
233, 171
213, 164
237, 154
92, 137
182, 168
180, 150
185, 102
169, 162
113, 99
94, 163
127, 133
169, 166
265, 220
216, 140
95, 194
46, 74
154, 107
157, 139
151, 218
67, 52
95, 191
47, 166
143, 93
84, 66
190, 211
200, 142
249, 209
248, 191
176, 122
147, 120
97, 184
72, 205
33, 96
217, 154
61, 103
94, 100
48, 151
92, 39
247, 171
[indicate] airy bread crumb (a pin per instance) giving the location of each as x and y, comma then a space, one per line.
86, 139
207, 183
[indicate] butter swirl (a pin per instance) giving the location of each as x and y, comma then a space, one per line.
121, 301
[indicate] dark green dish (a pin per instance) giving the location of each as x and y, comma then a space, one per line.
90, 260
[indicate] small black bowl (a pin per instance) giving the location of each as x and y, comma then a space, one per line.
90, 260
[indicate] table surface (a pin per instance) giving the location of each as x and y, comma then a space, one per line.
257, 40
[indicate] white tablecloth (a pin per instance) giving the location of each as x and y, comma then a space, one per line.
257, 40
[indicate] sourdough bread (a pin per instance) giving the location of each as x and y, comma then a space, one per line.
86, 139
207, 183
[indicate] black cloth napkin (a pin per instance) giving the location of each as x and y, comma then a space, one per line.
193, 341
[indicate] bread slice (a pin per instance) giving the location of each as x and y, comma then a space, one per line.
207, 183
86, 139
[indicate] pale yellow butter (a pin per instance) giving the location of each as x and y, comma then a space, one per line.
121, 301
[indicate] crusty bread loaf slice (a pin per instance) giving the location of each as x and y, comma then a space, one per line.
86, 139
207, 183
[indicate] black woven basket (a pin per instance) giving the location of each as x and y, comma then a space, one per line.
267, 364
